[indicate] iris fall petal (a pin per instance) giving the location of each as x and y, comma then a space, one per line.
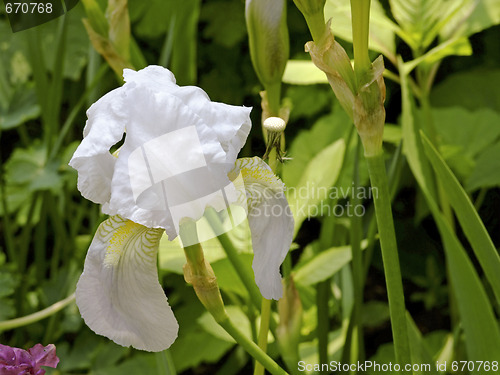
271, 224
118, 293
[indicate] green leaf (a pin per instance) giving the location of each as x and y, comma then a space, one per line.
375, 313
323, 265
225, 22
472, 225
303, 72
470, 89
154, 18
381, 27
465, 135
308, 143
23, 106
228, 279
392, 134
477, 317
457, 46
485, 173
419, 351
308, 100
79, 355
411, 137
417, 18
77, 44
195, 348
108, 355
183, 63
472, 17
27, 169
140, 363
151, 19
314, 185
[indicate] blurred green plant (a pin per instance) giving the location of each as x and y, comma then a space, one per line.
442, 160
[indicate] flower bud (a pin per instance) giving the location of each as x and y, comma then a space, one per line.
268, 38
110, 33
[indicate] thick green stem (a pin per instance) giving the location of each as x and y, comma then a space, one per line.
360, 10
357, 264
382, 201
274, 99
199, 273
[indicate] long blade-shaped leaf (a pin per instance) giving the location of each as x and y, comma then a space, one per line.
477, 317
467, 216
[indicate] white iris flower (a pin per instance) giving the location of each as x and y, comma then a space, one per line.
177, 159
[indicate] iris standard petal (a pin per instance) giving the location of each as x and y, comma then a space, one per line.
118, 293
171, 165
271, 223
176, 155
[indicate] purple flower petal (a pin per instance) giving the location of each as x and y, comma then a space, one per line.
44, 356
15, 361
7, 355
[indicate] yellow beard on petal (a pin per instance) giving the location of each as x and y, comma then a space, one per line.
117, 242
253, 171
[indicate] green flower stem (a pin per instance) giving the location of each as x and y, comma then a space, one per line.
360, 10
199, 273
39, 315
234, 257
265, 314
252, 348
357, 267
382, 201
274, 99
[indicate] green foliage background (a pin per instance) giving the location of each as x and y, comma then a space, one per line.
51, 74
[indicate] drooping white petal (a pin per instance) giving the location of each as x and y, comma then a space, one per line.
118, 293
271, 223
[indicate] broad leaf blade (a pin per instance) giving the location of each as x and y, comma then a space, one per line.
472, 17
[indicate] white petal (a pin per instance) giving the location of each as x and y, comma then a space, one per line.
271, 223
177, 152
104, 128
156, 77
231, 123
170, 165
118, 293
